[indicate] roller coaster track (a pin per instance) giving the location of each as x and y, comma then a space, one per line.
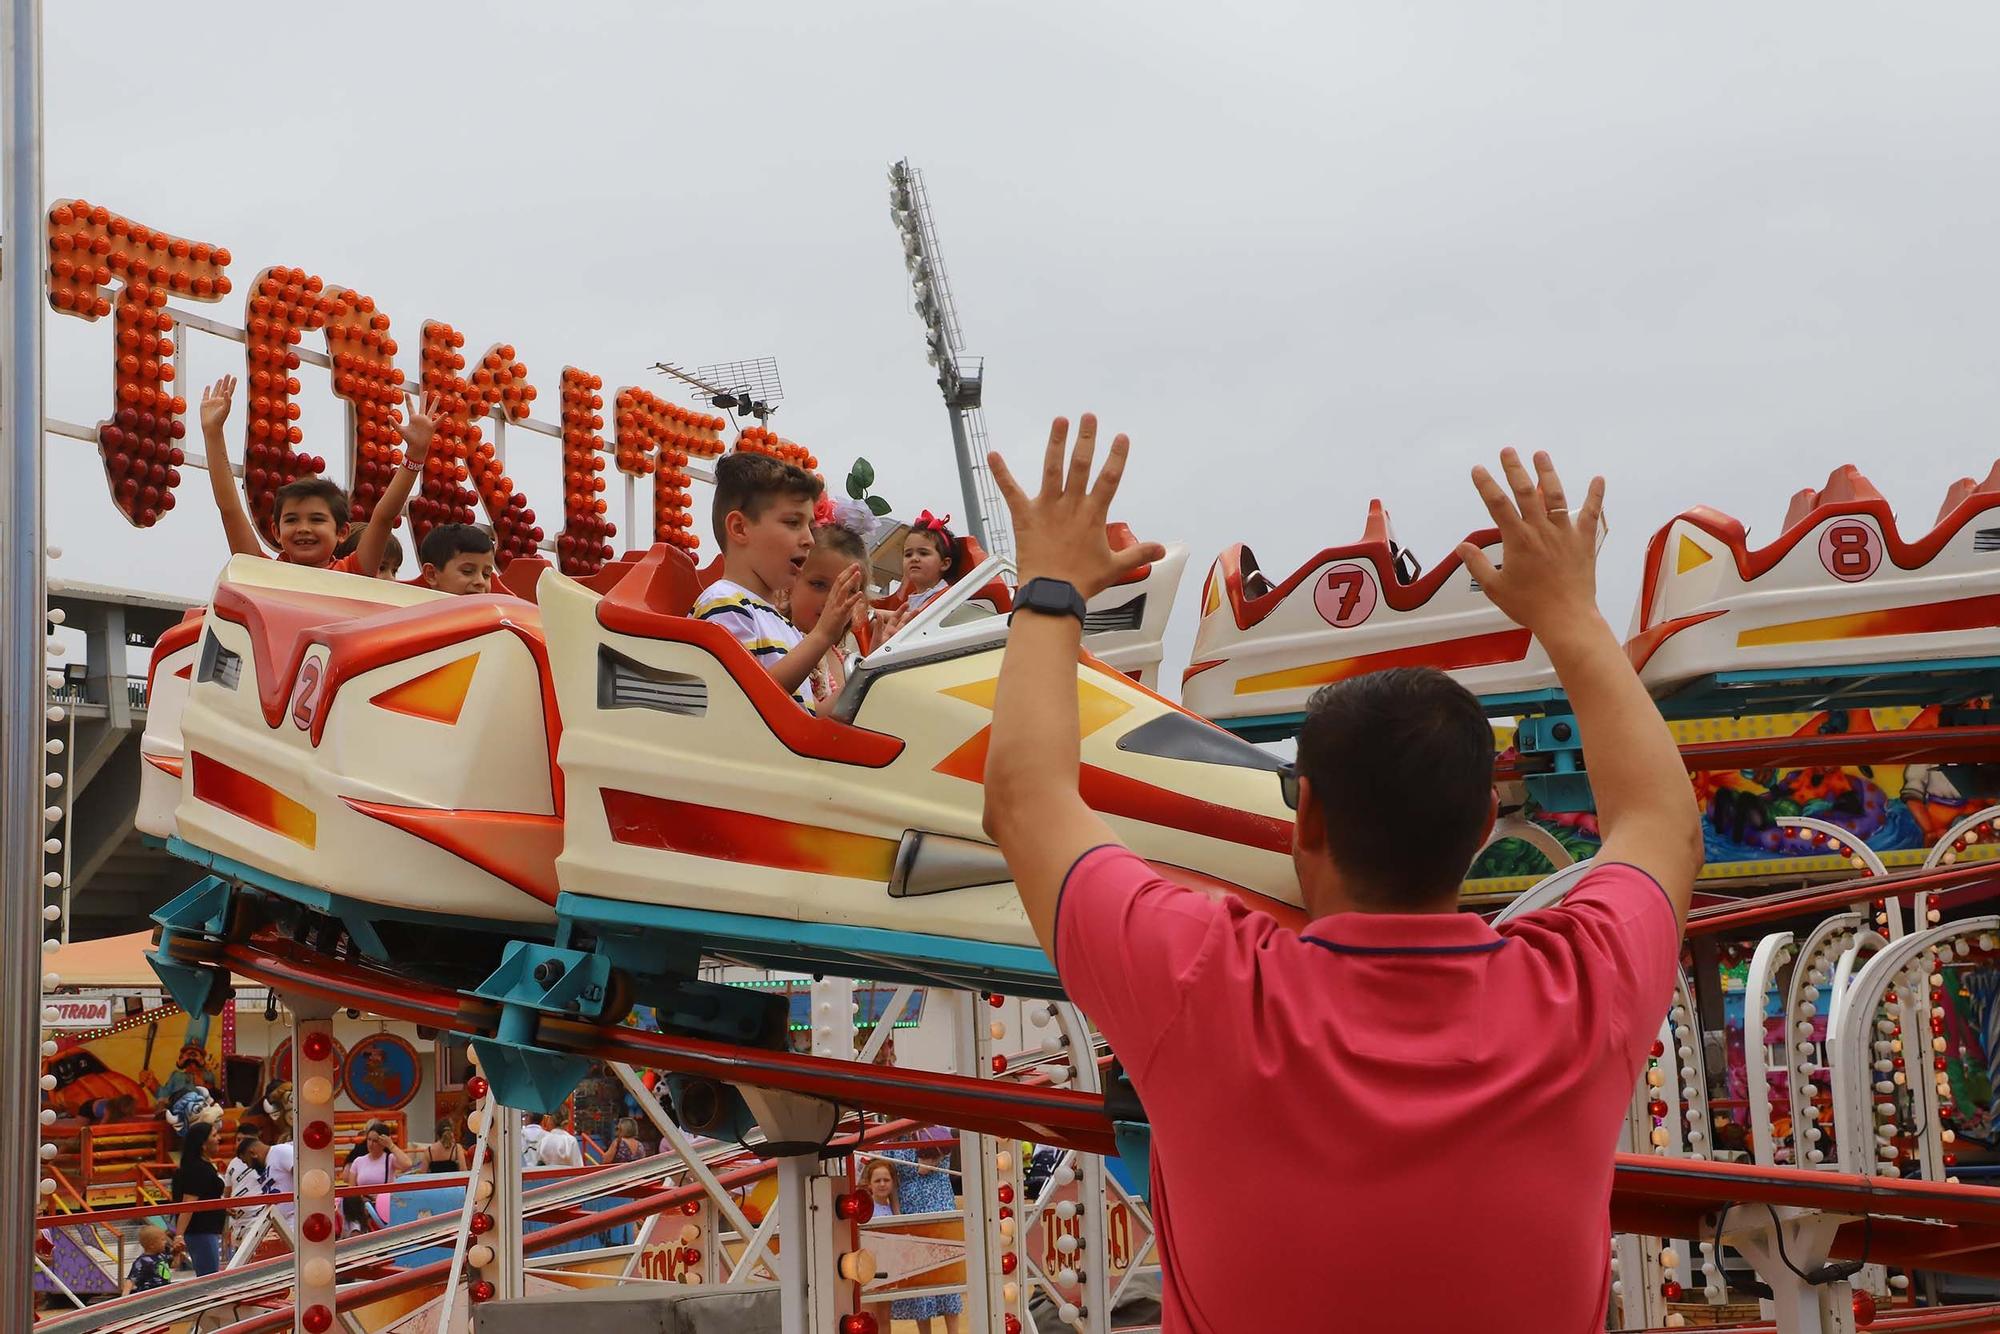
362, 1260
251, 1282
1967, 882
1916, 1224
1935, 745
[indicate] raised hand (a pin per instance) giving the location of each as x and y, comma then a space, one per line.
215, 401
884, 624
847, 594
418, 427
1547, 577
1059, 534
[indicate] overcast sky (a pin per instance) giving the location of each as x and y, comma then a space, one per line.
1304, 255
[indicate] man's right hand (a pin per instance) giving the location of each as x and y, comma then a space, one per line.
1547, 582
1547, 577
215, 401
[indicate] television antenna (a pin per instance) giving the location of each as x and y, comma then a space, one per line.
749, 387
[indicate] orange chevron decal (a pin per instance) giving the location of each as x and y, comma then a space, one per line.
516, 846
252, 799
1095, 708
438, 694
1980, 613
165, 763
1472, 651
739, 836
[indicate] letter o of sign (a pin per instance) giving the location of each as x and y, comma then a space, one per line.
1850, 550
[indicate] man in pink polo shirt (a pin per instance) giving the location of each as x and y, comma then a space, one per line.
1396, 1117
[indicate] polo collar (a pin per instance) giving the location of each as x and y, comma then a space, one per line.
1404, 933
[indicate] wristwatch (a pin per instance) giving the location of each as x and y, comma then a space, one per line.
1049, 597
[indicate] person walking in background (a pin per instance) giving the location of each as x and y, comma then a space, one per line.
924, 1185
196, 1179
445, 1153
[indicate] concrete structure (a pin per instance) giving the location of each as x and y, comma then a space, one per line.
113, 880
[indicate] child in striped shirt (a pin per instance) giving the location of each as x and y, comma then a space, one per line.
764, 524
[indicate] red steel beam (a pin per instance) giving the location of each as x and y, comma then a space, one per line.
1018, 1111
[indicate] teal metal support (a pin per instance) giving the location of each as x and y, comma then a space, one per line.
533, 980
199, 912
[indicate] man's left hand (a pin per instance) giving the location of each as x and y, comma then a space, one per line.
1060, 533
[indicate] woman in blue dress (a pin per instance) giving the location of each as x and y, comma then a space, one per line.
923, 1185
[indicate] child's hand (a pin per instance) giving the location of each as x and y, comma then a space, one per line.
418, 428
215, 401
848, 592
889, 622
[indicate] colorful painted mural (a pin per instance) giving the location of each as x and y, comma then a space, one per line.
137, 1066
1897, 810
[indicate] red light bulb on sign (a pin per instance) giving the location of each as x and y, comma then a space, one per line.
318, 1135
858, 1322
317, 1227
317, 1046
1009, 1262
481, 1291
854, 1207
481, 1224
317, 1319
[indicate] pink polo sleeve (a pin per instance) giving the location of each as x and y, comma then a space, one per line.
1622, 941
1127, 942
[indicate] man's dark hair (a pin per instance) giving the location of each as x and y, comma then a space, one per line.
447, 540
312, 488
1402, 764
751, 482
245, 1143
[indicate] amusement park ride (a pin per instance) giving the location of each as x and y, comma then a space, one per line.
524, 815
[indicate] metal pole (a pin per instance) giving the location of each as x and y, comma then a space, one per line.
22, 693
968, 480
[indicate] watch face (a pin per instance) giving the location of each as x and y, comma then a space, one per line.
1051, 595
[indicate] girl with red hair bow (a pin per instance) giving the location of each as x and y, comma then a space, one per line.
930, 559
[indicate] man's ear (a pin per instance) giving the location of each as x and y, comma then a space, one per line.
430, 575
1310, 821
736, 527
1492, 818
342, 531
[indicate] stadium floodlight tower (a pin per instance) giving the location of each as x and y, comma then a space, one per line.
960, 377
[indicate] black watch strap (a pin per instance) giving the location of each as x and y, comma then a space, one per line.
1049, 597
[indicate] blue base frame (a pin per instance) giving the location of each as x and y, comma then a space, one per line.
805, 947
357, 916
1739, 694
1881, 685
819, 947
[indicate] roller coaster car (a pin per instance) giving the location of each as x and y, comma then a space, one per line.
697, 787
371, 740
1839, 588
391, 746
161, 754
1261, 650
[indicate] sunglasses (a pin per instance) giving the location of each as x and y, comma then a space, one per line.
1288, 785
